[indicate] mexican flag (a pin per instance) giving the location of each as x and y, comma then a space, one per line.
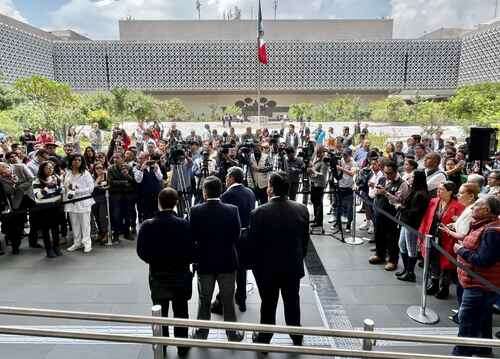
261, 43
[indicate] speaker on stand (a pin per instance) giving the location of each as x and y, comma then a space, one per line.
482, 144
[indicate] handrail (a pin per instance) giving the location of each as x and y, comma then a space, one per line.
122, 338
313, 331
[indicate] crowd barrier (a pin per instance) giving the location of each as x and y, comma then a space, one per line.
60, 203
422, 313
368, 335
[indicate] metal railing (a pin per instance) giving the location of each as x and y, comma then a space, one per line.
158, 342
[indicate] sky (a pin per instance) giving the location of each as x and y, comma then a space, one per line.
98, 19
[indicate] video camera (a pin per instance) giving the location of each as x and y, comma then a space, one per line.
333, 159
306, 151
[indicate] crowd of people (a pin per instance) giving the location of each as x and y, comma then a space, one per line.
160, 179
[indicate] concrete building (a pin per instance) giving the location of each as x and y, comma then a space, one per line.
446, 33
245, 30
203, 71
69, 35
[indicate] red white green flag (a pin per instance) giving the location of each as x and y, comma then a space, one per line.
261, 43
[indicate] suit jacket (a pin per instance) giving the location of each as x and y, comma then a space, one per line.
216, 230
279, 237
454, 209
243, 198
165, 243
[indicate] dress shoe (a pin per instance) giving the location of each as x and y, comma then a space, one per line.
432, 286
35, 245
400, 273
375, 260
408, 277
443, 293
216, 308
454, 319
242, 306
391, 267
58, 252
183, 351
15, 251
496, 308
236, 336
51, 254
2, 252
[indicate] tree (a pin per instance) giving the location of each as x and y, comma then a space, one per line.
139, 106
119, 100
9, 97
431, 115
233, 110
173, 108
101, 117
392, 109
476, 105
49, 104
215, 112
301, 110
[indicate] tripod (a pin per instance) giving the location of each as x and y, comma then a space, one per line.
306, 185
184, 205
336, 206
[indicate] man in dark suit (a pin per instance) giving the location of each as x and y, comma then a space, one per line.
165, 243
216, 230
243, 198
279, 233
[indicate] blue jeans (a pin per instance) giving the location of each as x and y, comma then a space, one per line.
475, 316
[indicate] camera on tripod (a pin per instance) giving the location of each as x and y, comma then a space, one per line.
306, 151
333, 159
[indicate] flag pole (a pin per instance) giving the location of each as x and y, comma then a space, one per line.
259, 72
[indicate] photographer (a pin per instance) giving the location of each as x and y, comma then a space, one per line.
225, 160
149, 178
121, 186
261, 166
203, 166
347, 169
294, 168
318, 173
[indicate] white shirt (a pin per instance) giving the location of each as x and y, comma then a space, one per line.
84, 184
462, 224
374, 179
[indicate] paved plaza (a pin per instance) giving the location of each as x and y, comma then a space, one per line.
340, 290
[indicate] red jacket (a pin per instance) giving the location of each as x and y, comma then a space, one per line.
446, 241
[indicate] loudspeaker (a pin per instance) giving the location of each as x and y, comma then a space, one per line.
483, 143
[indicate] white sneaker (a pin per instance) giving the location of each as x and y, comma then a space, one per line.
87, 249
74, 247
365, 225
370, 229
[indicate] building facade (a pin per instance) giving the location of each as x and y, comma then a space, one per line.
224, 72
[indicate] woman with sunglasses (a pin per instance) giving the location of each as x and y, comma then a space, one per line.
79, 183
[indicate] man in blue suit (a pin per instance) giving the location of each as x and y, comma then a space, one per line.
243, 198
216, 230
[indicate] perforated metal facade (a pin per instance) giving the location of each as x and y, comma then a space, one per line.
24, 54
231, 65
480, 61
216, 66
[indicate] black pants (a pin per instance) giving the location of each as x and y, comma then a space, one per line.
270, 287
13, 225
180, 309
292, 193
120, 219
100, 213
261, 195
317, 201
386, 238
149, 205
240, 294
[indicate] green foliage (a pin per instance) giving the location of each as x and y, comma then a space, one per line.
477, 105
392, 109
119, 100
214, 112
172, 109
102, 117
233, 110
9, 98
301, 110
376, 141
139, 106
430, 115
8, 124
42, 90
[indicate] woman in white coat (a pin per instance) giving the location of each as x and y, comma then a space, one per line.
79, 183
